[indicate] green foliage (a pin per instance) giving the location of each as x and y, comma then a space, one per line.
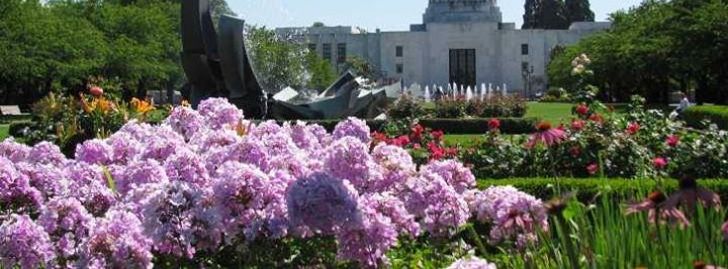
131, 45
406, 107
362, 67
556, 95
578, 10
496, 107
672, 45
68, 121
588, 189
277, 63
480, 125
321, 72
703, 116
555, 14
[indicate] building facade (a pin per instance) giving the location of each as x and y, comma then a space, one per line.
459, 41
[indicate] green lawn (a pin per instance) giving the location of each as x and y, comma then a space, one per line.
4, 131
552, 112
463, 140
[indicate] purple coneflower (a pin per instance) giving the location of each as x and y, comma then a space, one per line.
690, 194
654, 204
547, 135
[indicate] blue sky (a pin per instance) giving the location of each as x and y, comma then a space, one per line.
371, 14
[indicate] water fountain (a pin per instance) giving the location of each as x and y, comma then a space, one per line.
469, 94
428, 97
483, 92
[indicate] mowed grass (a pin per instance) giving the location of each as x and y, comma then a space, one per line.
552, 112
462, 139
4, 131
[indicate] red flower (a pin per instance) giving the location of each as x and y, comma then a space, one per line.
416, 146
436, 152
633, 128
673, 140
417, 131
596, 118
401, 141
659, 163
546, 135
575, 151
582, 109
451, 152
592, 169
438, 135
494, 124
379, 137
577, 125
96, 91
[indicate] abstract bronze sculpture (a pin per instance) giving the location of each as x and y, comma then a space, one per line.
219, 66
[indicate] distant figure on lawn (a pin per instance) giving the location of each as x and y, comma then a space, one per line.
684, 104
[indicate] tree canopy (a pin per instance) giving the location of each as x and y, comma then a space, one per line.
126, 46
657, 48
555, 14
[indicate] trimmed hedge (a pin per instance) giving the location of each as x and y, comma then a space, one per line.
588, 189
454, 126
4, 119
716, 114
480, 125
16, 128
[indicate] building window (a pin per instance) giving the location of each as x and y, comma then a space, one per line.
327, 52
400, 68
341, 53
312, 47
524, 67
524, 49
400, 51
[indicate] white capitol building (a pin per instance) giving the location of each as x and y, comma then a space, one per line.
459, 41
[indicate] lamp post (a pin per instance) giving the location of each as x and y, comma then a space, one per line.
527, 72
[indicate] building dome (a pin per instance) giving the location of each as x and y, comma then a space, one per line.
459, 11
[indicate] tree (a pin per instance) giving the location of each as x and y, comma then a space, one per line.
551, 15
277, 63
578, 10
361, 67
657, 48
321, 72
529, 16
555, 14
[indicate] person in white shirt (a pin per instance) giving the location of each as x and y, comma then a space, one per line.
684, 103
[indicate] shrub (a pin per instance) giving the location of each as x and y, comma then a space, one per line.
609, 145
405, 107
451, 108
556, 95
696, 116
68, 121
496, 106
204, 186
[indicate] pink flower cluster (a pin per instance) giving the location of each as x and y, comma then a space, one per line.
471, 263
196, 183
514, 216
